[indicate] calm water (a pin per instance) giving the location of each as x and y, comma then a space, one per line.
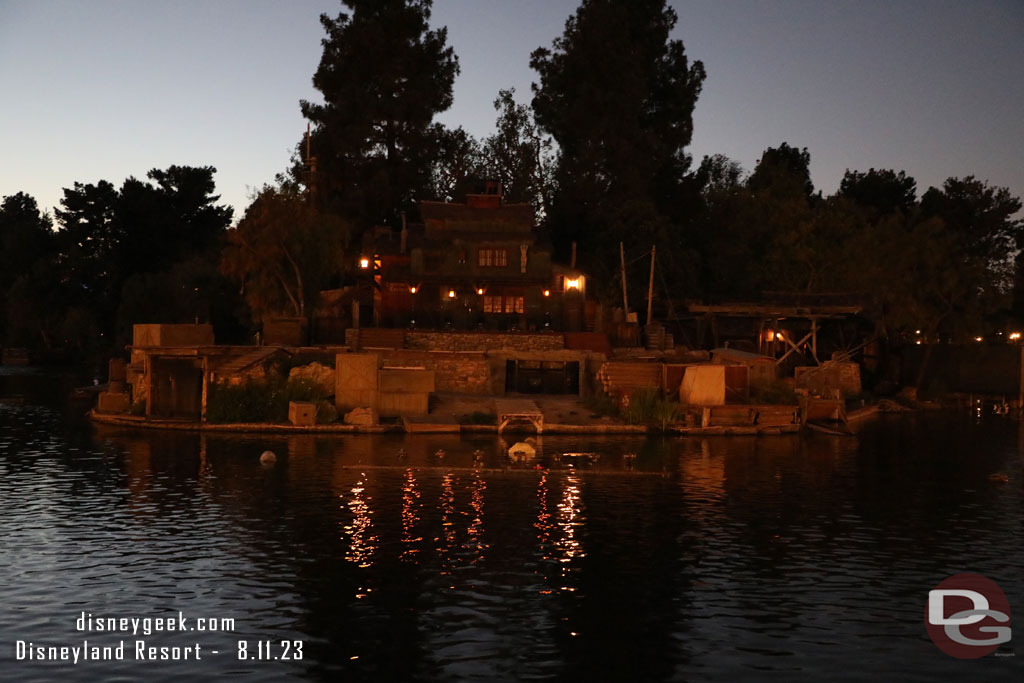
723, 559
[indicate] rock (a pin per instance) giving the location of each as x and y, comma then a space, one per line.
361, 416
318, 373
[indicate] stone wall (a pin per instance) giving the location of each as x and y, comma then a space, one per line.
466, 373
484, 341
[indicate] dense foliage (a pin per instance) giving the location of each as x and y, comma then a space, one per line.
601, 153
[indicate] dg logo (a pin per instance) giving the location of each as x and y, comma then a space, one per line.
968, 616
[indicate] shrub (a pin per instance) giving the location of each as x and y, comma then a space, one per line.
646, 406
478, 417
778, 393
326, 413
602, 405
259, 400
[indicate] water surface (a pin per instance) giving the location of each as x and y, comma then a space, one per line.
432, 558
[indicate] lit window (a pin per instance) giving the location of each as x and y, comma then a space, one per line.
492, 304
492, 258
514, 304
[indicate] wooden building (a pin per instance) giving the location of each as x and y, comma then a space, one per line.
474, 265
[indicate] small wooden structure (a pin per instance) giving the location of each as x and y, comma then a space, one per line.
512, 411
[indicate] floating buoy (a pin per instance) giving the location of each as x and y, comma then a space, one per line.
268, 458
522, 451
440, 454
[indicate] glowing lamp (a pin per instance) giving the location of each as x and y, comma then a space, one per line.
480, 291
1015, 335
547, 292
977, 339
364, 263
451, 293
572, 284
412, 290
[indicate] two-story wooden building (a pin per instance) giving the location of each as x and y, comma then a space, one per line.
474, 265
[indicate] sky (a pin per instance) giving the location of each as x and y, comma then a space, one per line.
108, 89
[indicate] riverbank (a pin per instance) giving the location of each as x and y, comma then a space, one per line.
462, 413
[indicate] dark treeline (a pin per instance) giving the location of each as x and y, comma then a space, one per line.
599, 150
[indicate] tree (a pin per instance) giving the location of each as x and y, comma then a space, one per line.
783, 171
89, 242
283, 252
384, 75
26, 237
170, 218
518, 156
879, 192
107, 236
458, 161
617, 96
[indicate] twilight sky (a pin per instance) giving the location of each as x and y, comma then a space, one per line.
107, 89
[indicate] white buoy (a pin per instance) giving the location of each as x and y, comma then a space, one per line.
268, 458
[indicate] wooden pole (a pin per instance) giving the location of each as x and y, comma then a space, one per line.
650, 288
622, 263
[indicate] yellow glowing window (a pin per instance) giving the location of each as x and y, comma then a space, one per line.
492, 258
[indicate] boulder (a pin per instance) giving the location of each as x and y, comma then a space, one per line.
361, 416
318, 373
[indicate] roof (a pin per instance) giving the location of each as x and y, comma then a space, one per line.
452, 216
742, 356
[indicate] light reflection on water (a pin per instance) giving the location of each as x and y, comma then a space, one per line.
711, 559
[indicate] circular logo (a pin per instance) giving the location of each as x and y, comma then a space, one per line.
967, 616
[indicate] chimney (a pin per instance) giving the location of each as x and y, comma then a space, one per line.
405, 235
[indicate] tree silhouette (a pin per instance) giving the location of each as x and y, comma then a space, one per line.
383, 75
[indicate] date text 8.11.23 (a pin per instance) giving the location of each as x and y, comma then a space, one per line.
268, 649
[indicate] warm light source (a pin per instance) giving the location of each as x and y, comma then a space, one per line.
917, 331
547, 292
364, 263
977, 339
451, 293
779, 336
480, 291
1015, 335
573, 283
412, 290
769, 335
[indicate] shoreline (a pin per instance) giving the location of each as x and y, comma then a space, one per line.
549, 428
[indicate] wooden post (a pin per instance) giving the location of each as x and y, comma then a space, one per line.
650, 288
622, 262
814, 340
206, 388
1020, 382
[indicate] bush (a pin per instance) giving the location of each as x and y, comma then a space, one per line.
646, 406
777, 393
478, 417
326, 413
259, 400
602, 405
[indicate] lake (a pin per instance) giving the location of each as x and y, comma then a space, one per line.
434, 558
